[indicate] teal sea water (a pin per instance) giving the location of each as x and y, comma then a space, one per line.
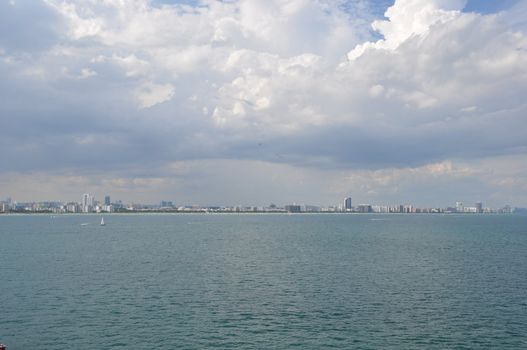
263, 282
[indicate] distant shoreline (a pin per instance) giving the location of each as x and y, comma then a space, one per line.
153, 212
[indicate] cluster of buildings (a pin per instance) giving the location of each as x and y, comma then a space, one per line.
89, 204
348, 207
410, 209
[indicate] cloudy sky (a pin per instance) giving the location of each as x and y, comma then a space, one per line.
259, 101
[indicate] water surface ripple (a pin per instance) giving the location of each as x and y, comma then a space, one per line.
263, 282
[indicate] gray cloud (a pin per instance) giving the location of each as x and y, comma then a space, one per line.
28, 26
123, 90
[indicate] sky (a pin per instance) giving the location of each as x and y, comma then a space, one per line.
252, 102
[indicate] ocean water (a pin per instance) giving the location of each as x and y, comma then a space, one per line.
263, 282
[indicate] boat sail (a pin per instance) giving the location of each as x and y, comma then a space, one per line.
102, 222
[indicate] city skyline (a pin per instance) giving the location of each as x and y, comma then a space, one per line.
203, 101
90, 204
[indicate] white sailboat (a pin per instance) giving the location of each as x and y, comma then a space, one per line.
102, 222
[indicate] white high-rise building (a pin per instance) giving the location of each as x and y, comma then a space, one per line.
87, 203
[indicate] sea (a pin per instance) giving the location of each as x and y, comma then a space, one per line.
263, 281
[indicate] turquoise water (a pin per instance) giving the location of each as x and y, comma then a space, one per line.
263, 282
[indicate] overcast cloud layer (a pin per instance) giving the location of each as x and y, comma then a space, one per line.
254, 101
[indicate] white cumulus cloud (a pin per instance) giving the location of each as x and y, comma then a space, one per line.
292, 84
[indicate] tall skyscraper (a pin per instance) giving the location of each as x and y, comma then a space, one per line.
87, 202
347, 204
107, 200
479, 207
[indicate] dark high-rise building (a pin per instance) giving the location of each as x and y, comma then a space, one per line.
479, 207
347, 204
293, 208
364, 208
107, 200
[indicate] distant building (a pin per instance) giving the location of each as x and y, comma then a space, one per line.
293, 208
312, 208
87, 203
459, 207
364, 208
479, 207
380, 209
72, 207
472, 210
347, 204
107, 200
166, 204
408, 208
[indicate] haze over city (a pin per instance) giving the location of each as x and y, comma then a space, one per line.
257, 102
